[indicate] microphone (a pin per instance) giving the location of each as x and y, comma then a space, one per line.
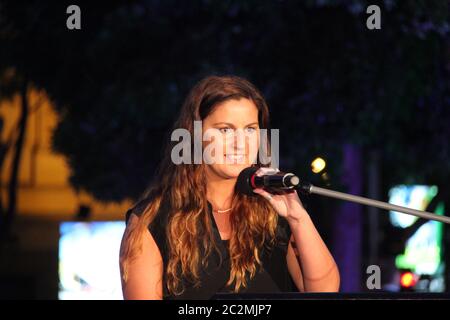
248, 180
275, 183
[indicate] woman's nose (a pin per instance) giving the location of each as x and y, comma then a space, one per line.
239, 140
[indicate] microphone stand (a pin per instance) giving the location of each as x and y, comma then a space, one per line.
307, 188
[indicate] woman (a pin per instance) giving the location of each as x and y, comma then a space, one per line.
192, 235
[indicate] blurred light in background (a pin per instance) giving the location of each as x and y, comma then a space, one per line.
422, 254
318, 165
407, 280
89, 260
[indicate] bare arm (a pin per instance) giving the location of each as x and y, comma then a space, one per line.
293, 264
319, 271
316, 270
145, 271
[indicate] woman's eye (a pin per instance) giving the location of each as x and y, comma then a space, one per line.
226, 130
251, 129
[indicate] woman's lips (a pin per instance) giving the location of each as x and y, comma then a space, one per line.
235, 158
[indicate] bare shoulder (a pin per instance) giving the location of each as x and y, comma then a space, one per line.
145, 270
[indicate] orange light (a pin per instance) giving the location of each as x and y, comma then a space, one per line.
318, 164
407, 280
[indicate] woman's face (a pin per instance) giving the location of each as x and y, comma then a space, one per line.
233, 131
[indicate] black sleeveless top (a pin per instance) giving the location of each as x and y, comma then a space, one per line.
273, 276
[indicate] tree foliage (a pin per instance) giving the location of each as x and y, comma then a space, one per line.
118, 83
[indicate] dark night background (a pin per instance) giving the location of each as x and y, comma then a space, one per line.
374, 103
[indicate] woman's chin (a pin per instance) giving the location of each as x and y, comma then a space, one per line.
233, 170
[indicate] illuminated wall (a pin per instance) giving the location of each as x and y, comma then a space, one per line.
43, 177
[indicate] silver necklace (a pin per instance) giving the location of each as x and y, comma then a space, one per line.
223, 211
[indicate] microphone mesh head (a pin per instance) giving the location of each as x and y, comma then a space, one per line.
243, 184
295, 180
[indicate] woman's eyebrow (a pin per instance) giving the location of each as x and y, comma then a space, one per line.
232, 125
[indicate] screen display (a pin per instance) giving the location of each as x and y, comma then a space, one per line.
423, 249
89, 260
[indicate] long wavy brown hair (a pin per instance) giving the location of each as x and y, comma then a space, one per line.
189, 229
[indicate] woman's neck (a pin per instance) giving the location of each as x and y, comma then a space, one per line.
220, 191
